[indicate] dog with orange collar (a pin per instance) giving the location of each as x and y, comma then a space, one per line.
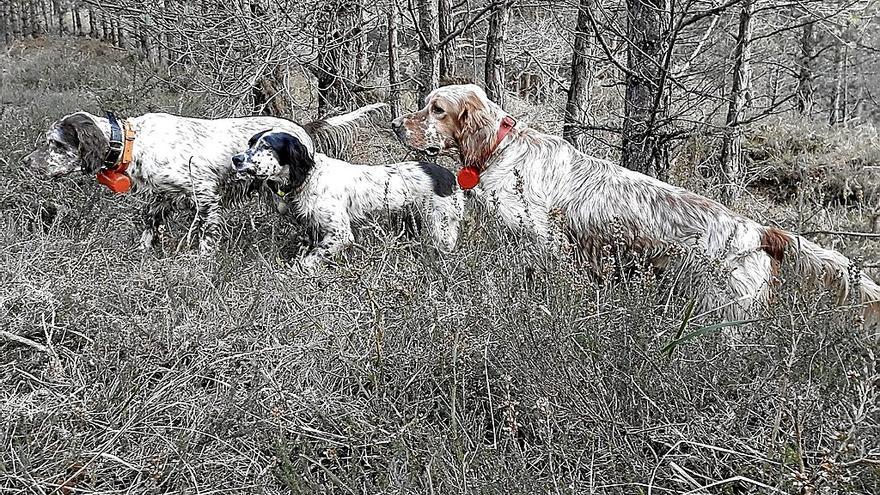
170, 158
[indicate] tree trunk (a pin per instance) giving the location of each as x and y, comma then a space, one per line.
77, 21
34, 16
731, 148
5, 27
93, 21
495, 38
644, 150
60, 10
393, 59
269, 95
15, 20
805, 77
25, 18
837, 94
429, 59
577, 101
336, 62
447, 52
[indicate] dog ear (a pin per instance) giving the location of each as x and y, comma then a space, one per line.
256, 137
294, 154
475, 134
81, 131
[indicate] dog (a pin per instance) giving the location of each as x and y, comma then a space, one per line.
330, 194
173, 157
542, 185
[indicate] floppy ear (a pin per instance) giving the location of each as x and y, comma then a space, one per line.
256, 137
81, 131
476, 132
293, 153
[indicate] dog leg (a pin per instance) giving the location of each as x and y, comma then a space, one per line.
209, 214
155, 214
334, 242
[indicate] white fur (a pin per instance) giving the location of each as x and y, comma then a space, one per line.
533, 178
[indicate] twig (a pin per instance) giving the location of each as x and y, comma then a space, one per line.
866, 235
23, 340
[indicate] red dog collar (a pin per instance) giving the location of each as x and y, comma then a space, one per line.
469, 175
115, 177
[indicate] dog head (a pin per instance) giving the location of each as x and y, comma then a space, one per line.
73, 143
455, 118
275, 156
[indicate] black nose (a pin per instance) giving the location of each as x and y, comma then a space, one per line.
237, 160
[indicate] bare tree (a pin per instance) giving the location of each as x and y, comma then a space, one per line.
429, 47
838, 100
577, 100
393, 59
445, 28
644, 150
731, 149
805, 75
495, 38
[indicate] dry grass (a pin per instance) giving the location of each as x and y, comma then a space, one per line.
491, 370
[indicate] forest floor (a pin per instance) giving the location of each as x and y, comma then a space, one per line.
490, 370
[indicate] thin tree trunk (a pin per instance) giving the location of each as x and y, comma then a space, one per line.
393, 59
5, 28
15, 20
93, 29
495, 38
731, 148
77, 21
837, 94
805, 76
25, 18
445, 27
429, 59
645, 103
33, 20
60, 11
577, 101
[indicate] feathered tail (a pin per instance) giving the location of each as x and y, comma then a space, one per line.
829, 267
334, 134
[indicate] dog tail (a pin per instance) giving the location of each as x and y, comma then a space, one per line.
333, 135
834, 270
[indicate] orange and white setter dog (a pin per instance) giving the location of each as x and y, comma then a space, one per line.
539, 183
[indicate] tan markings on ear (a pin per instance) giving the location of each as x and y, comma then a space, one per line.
475, 134
773, 242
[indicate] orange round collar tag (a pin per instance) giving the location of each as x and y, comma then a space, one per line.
468, 177
116, 181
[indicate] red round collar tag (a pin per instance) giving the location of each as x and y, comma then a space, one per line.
117, 182
468, 177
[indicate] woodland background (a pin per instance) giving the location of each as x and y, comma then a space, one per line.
493, 369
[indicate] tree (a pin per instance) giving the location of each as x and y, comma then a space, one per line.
494, 68
429, 46
805, 74
731, 149
577, 99
445, 27
393, 59
644, 149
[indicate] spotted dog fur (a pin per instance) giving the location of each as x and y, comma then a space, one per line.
532, 178
330, 194
177, 158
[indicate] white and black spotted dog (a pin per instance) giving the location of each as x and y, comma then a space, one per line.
330, 194
174, 157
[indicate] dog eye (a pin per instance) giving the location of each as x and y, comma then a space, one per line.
435, 108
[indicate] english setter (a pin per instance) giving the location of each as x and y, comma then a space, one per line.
173, 157
534, 179
330, 194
